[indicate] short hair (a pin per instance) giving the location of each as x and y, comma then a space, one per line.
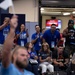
58, 29
15, 50
53, 24
36, 25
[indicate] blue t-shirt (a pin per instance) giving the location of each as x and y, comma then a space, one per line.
50, 38
22, 39
12, 70
3, 34
32, 54
37, 44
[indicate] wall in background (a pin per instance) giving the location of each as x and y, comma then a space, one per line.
28, 7
31, 29
64, 20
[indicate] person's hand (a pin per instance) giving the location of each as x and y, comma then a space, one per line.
48, 58
14, 21
37, 36
61, 64
26, 30
6, 21
41, 36
35, 57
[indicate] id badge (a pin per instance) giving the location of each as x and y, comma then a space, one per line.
39, 43
5, 36
52, 44
22, 43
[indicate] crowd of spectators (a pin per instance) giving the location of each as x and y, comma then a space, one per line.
50, 50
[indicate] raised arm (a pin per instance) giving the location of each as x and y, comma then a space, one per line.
5, 23
6, 54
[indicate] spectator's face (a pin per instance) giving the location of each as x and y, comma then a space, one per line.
60, 49
22, 58
30, 45
53, 27
22, 27
45, 47
37, 28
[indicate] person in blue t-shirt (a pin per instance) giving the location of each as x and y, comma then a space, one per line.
4, 29
22, 35
15, 63
51, 36
37, 39
33, 60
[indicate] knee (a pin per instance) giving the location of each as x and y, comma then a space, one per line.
43, 66
51, 66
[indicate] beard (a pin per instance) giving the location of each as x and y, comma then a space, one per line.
22, 64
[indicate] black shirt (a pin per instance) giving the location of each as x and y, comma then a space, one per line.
60, 57
44, 54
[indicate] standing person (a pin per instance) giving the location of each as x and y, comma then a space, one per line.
60, 58
4, 29
45, 58
19, 55
33, 60
22, 35
37, 39
51, 36
69, 34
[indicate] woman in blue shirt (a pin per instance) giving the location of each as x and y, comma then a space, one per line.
22, 35
33, 63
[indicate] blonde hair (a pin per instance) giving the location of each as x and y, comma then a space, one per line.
15, 50
48, 48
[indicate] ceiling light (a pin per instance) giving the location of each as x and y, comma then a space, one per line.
51, 12
42, 9
73, 12
67, 13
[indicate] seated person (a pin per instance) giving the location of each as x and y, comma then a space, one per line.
45, 59
33, 63
60, 58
